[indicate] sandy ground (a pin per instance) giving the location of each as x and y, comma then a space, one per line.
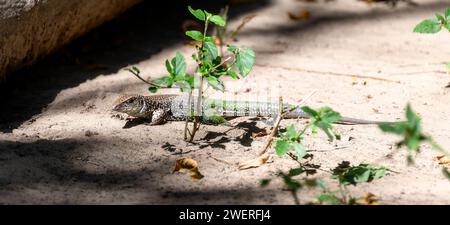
60, 143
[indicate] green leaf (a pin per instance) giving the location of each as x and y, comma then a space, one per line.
215, 83
447, 14
153, 89
232, 74
179, 65
135, 69
196, 35
440, 18
321, 184
265, 182
358, 174
300, 150
164, 81
295, 172
219, 21
329, 198
395, 128
184, 86
211, 49
428, 26
198, 13
446, 173
447, 26
169, 68
282, 147
232, 48
412, 117
245, 60
309, 111
290, 131
328, 115
291, 183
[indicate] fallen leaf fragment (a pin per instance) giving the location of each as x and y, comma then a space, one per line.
443, 159
260, 134
370, 199
190, 165
254, 162
302, 15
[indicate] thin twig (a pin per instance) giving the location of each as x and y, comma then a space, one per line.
275, 128
279, 118
330, 73
221, 160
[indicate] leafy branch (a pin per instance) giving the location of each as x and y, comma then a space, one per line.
210, 68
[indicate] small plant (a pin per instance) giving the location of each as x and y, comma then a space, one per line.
411, 133
292, 138
434, 25
293, 185
350, 175
210, 67
412, 136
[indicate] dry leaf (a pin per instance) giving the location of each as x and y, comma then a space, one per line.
254, 162
302, 15
443, 159
190, 165
260, 134
370, 199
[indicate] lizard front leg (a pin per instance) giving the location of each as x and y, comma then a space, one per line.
159, 117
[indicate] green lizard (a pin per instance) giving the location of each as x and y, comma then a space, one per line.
158, 109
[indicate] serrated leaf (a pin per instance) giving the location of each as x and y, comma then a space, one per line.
282, 147
216, 83
396, 128
428, 26
245, 60
198, 13
219, 21
196, 35
211, 49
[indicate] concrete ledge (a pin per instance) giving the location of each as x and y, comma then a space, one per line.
31, 29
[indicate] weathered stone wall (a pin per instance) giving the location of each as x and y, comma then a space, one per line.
31, 29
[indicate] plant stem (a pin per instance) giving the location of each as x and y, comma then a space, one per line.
186, 128
296, 199
198, 111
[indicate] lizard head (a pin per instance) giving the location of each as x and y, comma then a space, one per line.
129, 104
